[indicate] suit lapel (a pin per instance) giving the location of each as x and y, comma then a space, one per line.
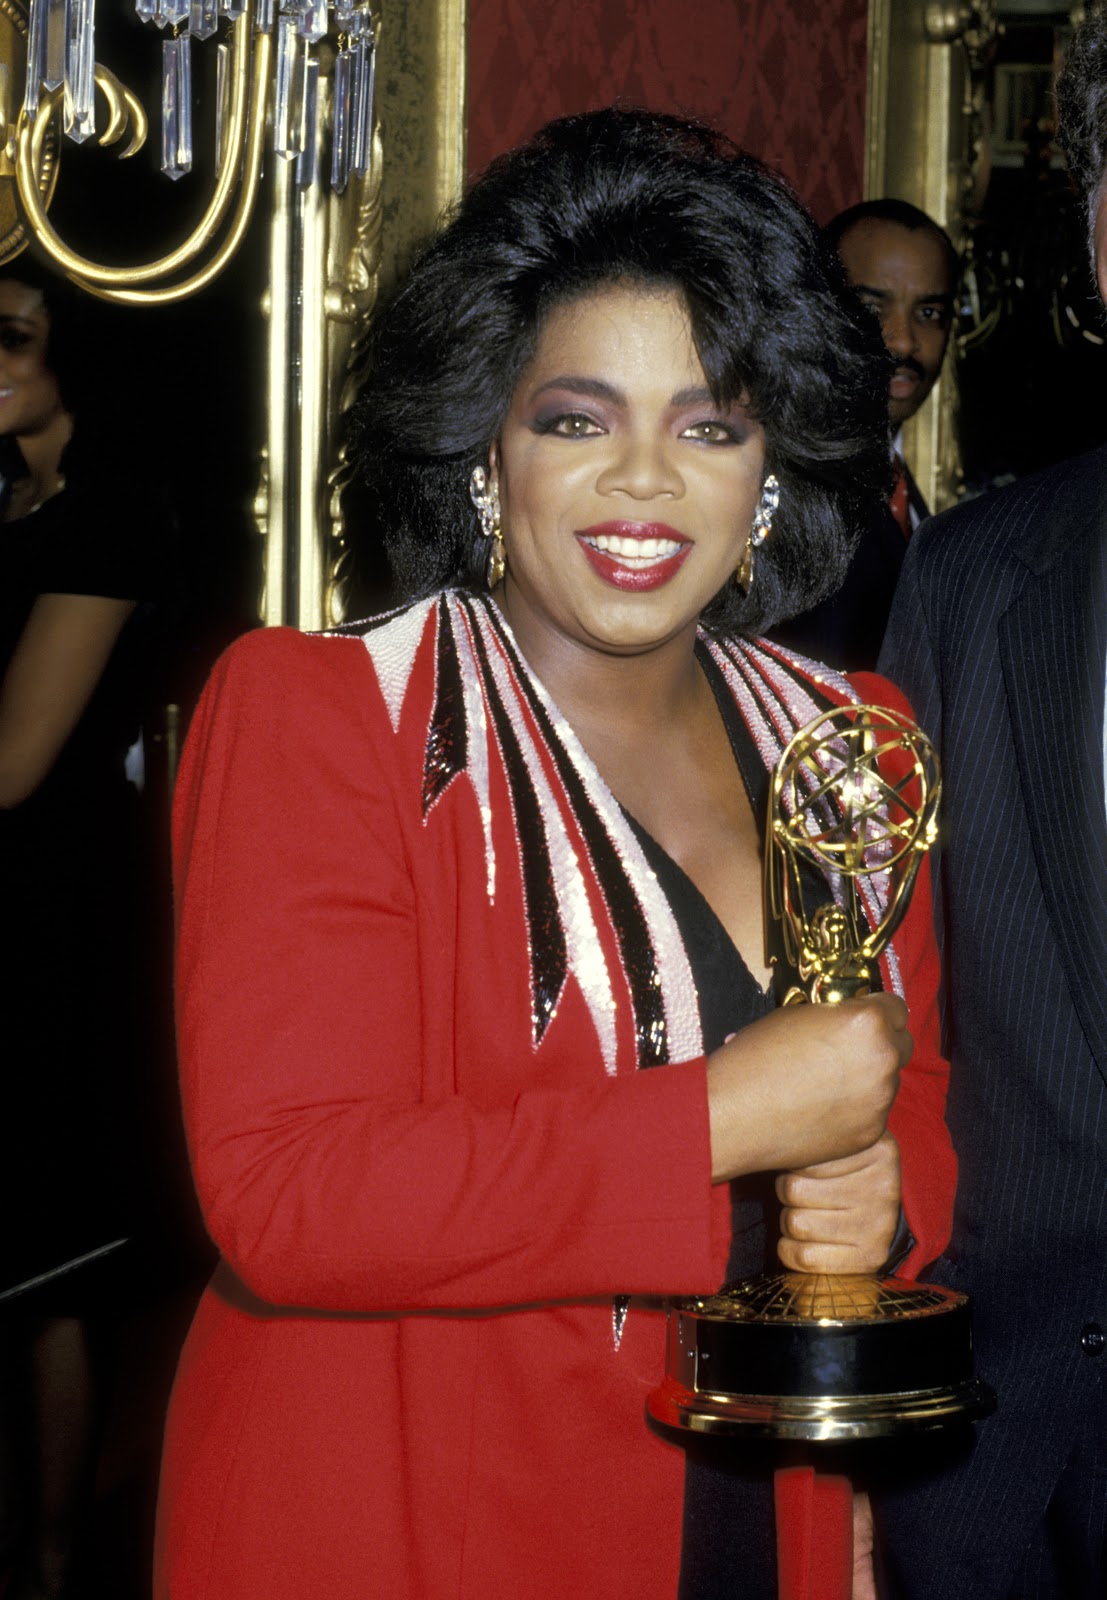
1052, 645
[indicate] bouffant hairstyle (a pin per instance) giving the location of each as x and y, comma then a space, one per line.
635, 197
1082, 104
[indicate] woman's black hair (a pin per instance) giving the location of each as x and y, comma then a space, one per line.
631, 196
70, 339
1082, 104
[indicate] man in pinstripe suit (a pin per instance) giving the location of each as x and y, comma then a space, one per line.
999, 636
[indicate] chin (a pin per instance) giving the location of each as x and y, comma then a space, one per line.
636, 631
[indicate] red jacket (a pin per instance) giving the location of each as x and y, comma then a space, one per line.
409, 1048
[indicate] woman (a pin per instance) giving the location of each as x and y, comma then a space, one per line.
449, 882
79, 553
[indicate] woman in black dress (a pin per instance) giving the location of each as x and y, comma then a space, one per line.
78, 554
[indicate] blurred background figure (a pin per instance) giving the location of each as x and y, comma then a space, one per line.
84, 543
902, 265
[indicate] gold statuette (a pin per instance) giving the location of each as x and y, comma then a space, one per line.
853, 804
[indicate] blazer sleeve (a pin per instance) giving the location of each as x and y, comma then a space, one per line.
917, 1120
328, 1173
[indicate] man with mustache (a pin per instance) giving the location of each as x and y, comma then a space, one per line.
902, 265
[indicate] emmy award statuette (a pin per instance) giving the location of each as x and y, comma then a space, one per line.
791, 1356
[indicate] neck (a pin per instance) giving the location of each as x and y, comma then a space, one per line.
627, 693
42, 451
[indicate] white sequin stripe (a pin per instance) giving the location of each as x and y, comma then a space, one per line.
393, 649
678, 991
817, 671
873, 888
892, 969
799, 702
763, 730
771, 723
584, 949
476, 729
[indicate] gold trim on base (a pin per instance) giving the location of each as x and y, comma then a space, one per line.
818, 1419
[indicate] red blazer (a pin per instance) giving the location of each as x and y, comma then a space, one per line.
410, 1032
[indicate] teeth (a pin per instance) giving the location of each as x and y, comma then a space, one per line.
635, 549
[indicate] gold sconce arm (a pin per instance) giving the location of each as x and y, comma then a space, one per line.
125, 110
243, 147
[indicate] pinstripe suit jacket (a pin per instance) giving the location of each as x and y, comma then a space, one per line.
999, 637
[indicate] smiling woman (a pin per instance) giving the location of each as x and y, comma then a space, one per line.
611, 420
479, 1052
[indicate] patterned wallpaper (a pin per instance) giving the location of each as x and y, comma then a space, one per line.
785, 78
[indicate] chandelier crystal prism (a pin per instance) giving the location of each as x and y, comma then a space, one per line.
291, 73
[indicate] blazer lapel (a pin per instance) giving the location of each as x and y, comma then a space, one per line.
1053, 642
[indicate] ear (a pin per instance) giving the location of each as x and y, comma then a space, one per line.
494, 464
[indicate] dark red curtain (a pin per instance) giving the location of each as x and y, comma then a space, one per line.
785, 78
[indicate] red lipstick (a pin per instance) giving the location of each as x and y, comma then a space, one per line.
634, 556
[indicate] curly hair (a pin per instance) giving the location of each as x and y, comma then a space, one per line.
638, 197
1082, 105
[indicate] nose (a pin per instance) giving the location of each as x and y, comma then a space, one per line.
643, 469
898, 331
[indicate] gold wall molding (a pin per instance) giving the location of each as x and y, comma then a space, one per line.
14, 28
923, 141
330, 258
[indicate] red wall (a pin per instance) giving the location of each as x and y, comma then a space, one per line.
785, 78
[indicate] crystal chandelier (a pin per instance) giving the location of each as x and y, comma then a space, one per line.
300, 71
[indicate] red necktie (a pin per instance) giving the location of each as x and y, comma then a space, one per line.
897, 500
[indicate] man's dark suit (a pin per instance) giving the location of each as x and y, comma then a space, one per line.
846, 630
999, 637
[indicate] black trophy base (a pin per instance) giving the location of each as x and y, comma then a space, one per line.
820, 1358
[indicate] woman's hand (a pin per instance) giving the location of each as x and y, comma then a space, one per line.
805, 1085
841, 1216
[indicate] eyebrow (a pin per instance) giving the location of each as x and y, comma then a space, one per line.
937, 297
11, 316
598, 389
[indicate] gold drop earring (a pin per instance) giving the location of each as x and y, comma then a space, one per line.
486, 498
759, 531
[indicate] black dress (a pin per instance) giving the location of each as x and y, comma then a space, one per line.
71, 912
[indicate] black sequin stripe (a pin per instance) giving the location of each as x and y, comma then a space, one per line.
447, 751
636, 950
549, 962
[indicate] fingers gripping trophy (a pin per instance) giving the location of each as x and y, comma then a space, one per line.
798, 1357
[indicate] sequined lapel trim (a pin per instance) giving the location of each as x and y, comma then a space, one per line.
654, 961
575, 831
393, 648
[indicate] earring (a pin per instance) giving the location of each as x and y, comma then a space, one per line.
759, 532
486, 497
